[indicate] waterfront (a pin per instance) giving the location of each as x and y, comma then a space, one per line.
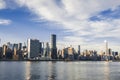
19, 70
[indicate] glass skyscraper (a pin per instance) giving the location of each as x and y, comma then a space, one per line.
53, 47
33, 48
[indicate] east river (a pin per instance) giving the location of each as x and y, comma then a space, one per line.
59, 70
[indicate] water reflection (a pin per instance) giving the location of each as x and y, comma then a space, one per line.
106, 71
59, 71
27, 72
67, 71
30, 71
44, 71
52, 71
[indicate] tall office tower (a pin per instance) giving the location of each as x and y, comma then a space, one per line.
79, 49
19, 46
106, 48
4, 49
15, 55
47, 50
110, 52
65, 53
40, 48
15, 46
1, 53
33, 48
53, 47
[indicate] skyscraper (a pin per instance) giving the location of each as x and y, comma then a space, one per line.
53, 47
4, 49
19, 46
33, 48
40, 48
1, 53
15, 55
110, 51
79, 49
106, 51
47, 50
106, 48
15, 46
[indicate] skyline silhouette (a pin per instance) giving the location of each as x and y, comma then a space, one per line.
37, 50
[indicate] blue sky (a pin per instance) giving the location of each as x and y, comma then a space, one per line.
84, 22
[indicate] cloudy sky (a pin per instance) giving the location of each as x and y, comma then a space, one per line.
84, 22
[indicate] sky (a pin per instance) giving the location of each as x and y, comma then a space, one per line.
75, 22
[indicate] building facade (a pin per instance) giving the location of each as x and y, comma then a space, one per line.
53, 47
33, 48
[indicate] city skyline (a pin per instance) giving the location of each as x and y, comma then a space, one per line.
36, 50
54, 45
75, 23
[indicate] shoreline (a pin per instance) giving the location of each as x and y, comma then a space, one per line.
60, 60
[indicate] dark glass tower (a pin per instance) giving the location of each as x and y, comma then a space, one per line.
79, 49
53, 47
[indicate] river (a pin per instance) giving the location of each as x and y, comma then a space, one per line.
60, 70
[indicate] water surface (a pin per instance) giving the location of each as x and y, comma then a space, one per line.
59, 70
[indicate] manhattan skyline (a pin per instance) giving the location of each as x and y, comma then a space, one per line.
86, 23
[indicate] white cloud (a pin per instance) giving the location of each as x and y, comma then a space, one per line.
74, 15
2, 4
4, 22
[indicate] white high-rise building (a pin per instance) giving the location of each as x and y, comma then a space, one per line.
106, 48
107, 55
33, 48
